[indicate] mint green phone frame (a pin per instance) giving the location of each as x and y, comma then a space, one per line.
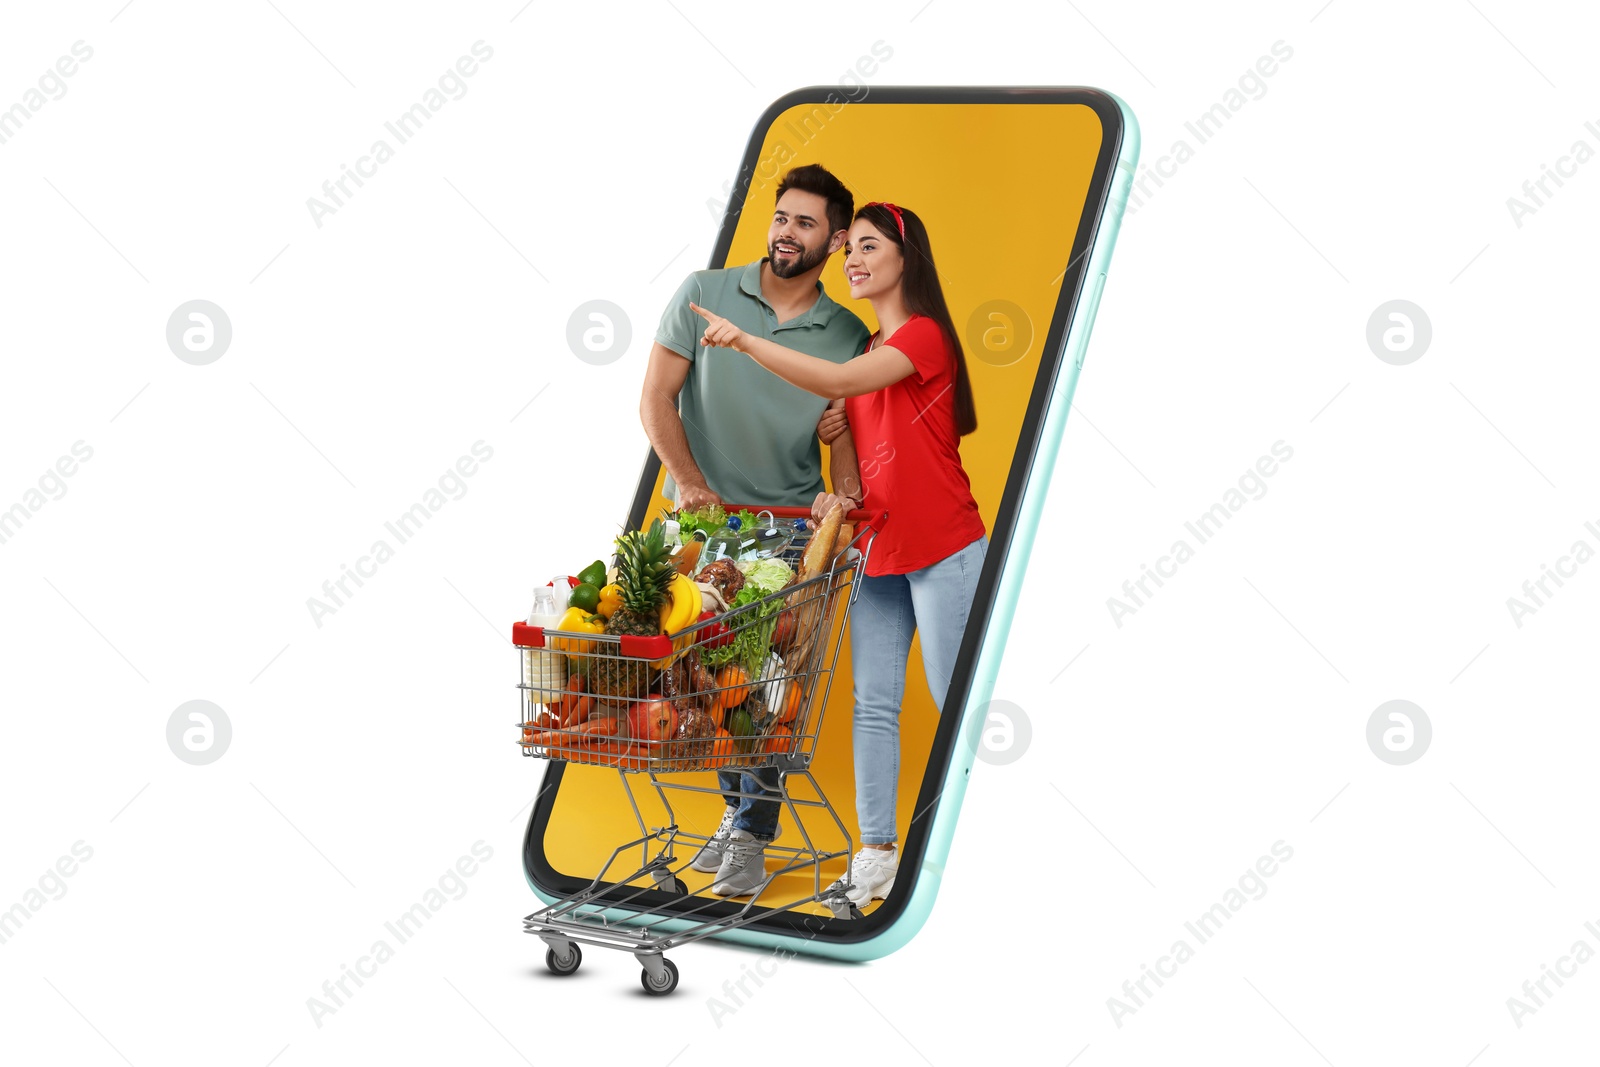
833, 938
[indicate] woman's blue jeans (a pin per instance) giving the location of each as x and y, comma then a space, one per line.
934, 602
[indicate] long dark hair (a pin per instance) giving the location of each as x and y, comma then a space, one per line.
923, 295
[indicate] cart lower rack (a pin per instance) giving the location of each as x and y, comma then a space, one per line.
742, 691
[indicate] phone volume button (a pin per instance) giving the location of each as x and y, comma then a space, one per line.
1091, 308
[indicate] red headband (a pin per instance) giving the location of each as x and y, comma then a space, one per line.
895, 211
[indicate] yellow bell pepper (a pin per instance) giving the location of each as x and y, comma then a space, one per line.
576, 620
610, 600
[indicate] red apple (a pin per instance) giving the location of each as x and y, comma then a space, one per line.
653, 719
783, 630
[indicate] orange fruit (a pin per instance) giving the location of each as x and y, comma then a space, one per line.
733, 685
721, 749
778, 740
793, 696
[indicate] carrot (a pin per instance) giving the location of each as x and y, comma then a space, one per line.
572, 707
549, 738
614, 753
601, 727
577, 709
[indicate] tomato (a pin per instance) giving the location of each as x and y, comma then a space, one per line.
717, 634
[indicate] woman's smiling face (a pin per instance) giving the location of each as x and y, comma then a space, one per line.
872, 263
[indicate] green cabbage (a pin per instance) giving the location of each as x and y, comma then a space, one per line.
767, 575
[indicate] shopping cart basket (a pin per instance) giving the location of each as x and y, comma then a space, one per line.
668, 705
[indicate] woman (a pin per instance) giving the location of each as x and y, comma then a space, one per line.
908, 401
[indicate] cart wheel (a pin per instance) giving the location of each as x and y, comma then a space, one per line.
843, 907
666, 985
563, 966
668, 882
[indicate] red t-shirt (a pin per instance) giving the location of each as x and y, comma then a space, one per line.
910, 456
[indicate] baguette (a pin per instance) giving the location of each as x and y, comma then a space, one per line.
807, 603
819, 550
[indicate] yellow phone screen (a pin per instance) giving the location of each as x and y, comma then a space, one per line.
1002, 188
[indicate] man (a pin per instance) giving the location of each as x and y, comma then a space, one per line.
728, 430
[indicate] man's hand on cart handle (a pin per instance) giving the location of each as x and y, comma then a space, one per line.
696, 496
720, 333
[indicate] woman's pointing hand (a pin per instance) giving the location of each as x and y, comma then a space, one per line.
720, 333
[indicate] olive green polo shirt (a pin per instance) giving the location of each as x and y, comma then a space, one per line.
752, 434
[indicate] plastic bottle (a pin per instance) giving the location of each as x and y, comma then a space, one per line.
729, 543
544, 672
771, 539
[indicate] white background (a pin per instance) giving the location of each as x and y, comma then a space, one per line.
1227, 714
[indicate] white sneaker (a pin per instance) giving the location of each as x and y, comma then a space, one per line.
872, 871
709, 858
744, 866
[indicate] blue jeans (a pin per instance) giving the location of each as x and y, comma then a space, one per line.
758, 818
933, 601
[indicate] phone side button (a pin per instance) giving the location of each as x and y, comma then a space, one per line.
1090, 310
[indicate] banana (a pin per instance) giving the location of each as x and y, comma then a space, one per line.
683, 607
685, 602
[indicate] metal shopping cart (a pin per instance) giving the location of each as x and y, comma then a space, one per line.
668, 705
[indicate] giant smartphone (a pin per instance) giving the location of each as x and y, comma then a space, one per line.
1022, 191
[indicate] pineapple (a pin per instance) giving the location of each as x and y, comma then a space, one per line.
644, 571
